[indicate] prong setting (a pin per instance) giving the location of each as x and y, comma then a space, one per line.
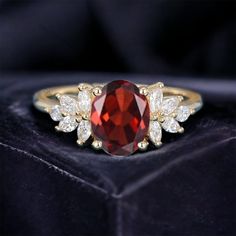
58, 96
97, 91
143, 145
80, 142
57, 128
181, 130
97, 144
144, 91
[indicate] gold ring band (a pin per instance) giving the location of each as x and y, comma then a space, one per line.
46, 98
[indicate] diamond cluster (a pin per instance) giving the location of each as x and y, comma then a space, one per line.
73, 113
166, 113
162, 113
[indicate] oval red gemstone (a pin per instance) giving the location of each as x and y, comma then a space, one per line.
120, 117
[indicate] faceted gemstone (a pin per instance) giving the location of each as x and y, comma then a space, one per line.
170, 125
68, 105
68, 124
183, 113
55, 113
84, 101
120, 117
84, 130
169, 105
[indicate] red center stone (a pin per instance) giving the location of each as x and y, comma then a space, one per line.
120, 117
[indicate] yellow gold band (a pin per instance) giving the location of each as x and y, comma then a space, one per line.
46, 98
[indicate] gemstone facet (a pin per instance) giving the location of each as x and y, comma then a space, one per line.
120, 117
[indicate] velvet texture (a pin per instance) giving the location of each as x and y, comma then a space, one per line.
50, 186
148, 36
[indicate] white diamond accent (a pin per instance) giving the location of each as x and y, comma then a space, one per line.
155, 100
55, 113
84, 101
68, 124
84, 131
170, 125
155, 132
183, 112
169, 105
68, 105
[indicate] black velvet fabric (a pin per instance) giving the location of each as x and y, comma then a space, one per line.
149, 36
50, 186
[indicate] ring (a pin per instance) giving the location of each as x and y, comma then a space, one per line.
119, 117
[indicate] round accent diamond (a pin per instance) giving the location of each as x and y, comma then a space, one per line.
120, 117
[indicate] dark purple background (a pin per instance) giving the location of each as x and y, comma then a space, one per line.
191, 37
49, 186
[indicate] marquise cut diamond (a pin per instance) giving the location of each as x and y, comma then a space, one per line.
68, 105
183, 112
170, 125
68, 124
84, 101
84, 130
55, 113
155, 100
169, 105
155, 132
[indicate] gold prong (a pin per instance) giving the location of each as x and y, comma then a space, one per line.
97, 91
78, 118
173, 114
85, 116
80, 143
83, 86
143, 145
154, 117
161, 118
144, 91
96, 144
47, 109
160, 85
58, 95
57, 128
181, 130
181, 98
158, 144
192, 111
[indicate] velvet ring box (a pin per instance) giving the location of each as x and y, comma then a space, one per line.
50, 186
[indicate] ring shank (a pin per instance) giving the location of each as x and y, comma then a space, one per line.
46, 98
